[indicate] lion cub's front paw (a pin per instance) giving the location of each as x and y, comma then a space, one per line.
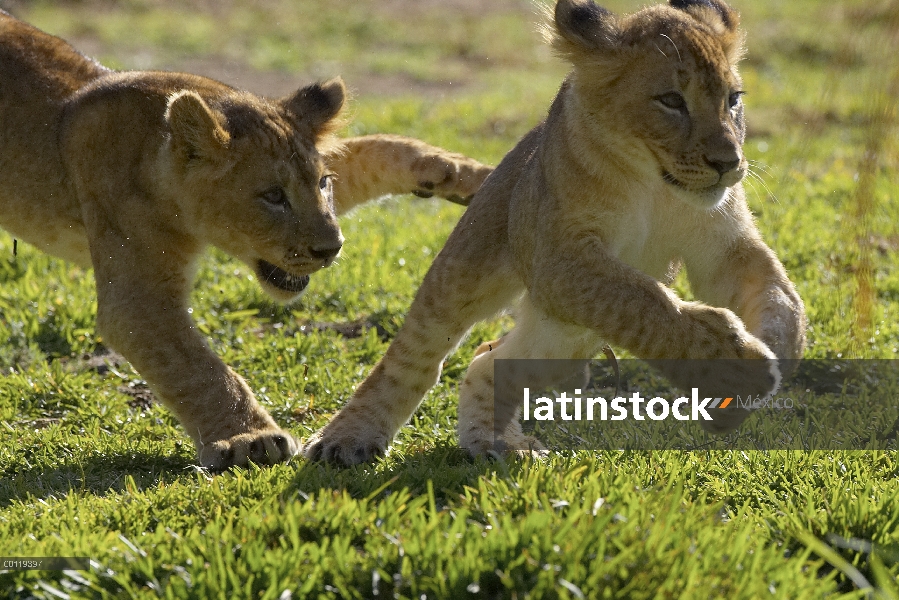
521, 446
264, 447
750, 380
725, 361
731, 383
716, 333
346, 443
453, 176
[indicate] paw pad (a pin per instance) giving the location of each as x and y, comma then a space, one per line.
262, 448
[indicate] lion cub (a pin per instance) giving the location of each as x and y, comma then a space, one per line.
135, 173
635, 172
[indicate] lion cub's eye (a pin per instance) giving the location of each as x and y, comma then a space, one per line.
327, 188
672, 100
276, 196
734, 99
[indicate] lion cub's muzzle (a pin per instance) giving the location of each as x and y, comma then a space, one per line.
273, 276
730, 170
326, 252
706, 183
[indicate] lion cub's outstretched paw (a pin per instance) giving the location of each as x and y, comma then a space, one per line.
452, 176
345, 443
264, 447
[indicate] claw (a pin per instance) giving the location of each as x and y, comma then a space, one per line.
264, 447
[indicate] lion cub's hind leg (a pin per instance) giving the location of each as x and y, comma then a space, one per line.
489, 346
436, 322
489, 415
463, 286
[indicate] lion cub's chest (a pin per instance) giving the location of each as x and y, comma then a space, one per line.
642, 238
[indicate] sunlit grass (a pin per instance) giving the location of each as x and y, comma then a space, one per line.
88, 468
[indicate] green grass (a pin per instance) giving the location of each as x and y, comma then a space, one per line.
89, 468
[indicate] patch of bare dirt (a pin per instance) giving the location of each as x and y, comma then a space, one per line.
277, 83
273, 84
266, 83
459, 7
142, 397
351, 329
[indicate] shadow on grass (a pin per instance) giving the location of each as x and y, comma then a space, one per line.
98, 474
450, 469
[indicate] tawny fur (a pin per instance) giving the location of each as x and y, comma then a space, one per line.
135, 173
635, 172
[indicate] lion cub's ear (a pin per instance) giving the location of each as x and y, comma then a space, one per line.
197, 131
717, 15
722, 19
581, 25
318, 105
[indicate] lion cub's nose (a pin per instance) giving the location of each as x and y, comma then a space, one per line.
325, 252
722, 165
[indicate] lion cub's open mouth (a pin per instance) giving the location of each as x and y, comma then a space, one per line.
280, 278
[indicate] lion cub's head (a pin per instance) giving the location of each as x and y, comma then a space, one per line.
249, 179
659, 90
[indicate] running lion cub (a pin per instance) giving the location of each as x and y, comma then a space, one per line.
135, 173
635, 172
